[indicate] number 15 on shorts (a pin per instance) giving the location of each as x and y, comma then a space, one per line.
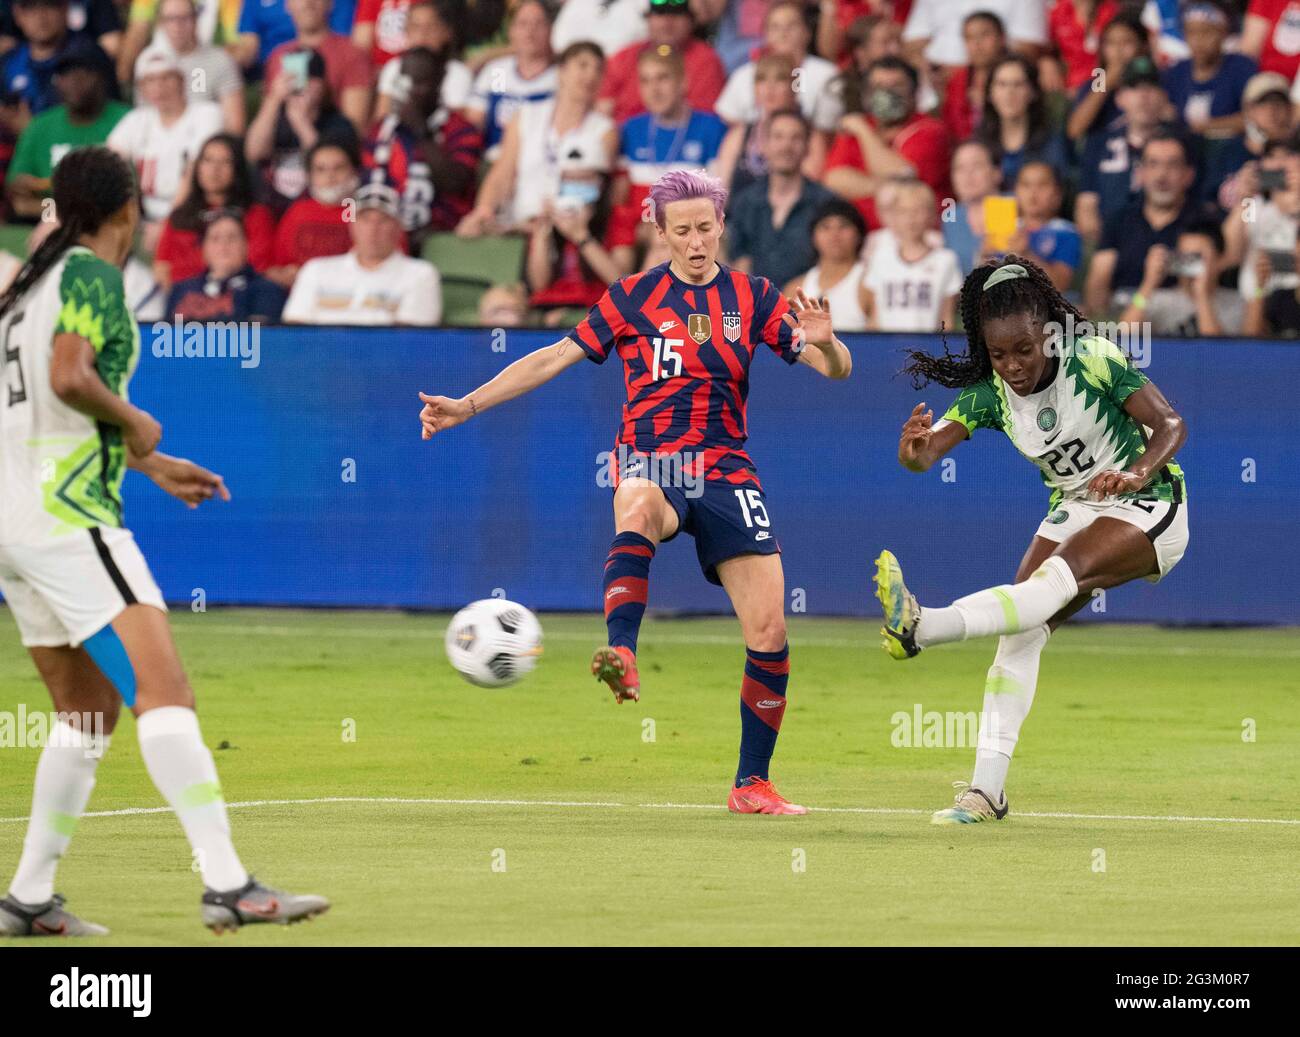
753, 509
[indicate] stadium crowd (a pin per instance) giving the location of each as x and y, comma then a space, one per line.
361, 161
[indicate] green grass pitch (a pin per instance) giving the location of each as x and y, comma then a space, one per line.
1136, 727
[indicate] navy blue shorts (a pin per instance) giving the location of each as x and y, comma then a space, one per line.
726, 521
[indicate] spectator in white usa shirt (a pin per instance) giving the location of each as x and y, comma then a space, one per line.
162, 135
375, 283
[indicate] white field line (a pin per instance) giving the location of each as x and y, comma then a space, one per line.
605, 805
869, 640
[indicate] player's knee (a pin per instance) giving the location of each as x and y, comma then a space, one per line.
768, 635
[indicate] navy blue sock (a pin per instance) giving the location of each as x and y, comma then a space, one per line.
627, 580
762, 705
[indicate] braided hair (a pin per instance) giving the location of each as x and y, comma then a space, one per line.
89, 186
1034, 295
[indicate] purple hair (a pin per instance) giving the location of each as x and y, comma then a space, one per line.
679, 185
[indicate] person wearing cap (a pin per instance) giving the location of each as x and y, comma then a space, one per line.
27, 71
82, 76
428, 154
209, 72
1107, 180
670, 23
527, 73
373, 284
1268, 114
229, 288
293, 116
348, 71
1206, 89
162, 135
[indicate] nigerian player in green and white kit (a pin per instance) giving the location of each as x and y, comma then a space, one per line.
1103, 437
86, 605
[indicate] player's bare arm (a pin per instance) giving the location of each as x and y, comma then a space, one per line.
75, 381
921, 444
1168, 434
811, 319
524, 375
188, 482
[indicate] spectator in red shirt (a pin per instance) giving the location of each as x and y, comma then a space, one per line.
379, 28
835, 19
890, 139
963, 103
428, 154
1075, 27
1271, 35
316, 224
347, 68
670, 23
219, 179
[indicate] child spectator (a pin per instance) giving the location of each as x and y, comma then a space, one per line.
1014, 123
430, 156
375, 283
527, 73
294, 115
1123, 40
1041, 235
1206, 88
219, 181
910, 284
1194, 304
228, 289
838, 233
975, 176
162, 135
82, 76
504, 306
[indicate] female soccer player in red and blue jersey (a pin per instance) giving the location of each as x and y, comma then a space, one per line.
686, 332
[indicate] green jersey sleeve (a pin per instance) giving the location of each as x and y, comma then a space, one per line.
1107, 369
93, 305
978, 406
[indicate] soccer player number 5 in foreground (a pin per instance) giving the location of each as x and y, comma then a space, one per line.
687, 331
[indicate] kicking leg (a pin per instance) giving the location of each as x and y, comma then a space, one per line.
88, 708
642, 518
756, 585
183, 770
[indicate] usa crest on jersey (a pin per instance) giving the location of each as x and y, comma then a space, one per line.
731, 326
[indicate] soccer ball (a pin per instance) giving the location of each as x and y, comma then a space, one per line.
494, 642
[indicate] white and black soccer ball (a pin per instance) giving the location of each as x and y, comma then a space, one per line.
494, 642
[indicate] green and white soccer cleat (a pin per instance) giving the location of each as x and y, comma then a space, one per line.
256, 903
48, 919
970, 806
901, 610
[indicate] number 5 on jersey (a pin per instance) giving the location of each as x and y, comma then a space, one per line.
665, 355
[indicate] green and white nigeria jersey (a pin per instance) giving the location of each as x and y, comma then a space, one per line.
1075, 427
61, 471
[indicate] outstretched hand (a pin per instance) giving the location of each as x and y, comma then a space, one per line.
810, 319
440, 413
915, 438
186, 481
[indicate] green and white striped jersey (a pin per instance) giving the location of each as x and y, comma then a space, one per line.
1076, 426
61, 471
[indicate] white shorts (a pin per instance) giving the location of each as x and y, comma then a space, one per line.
1164, 523
64, 591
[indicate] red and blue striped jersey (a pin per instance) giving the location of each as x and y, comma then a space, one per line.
686, 351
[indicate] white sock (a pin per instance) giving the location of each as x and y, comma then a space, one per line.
1008, 694
1001, 610
183, 770
65, 777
